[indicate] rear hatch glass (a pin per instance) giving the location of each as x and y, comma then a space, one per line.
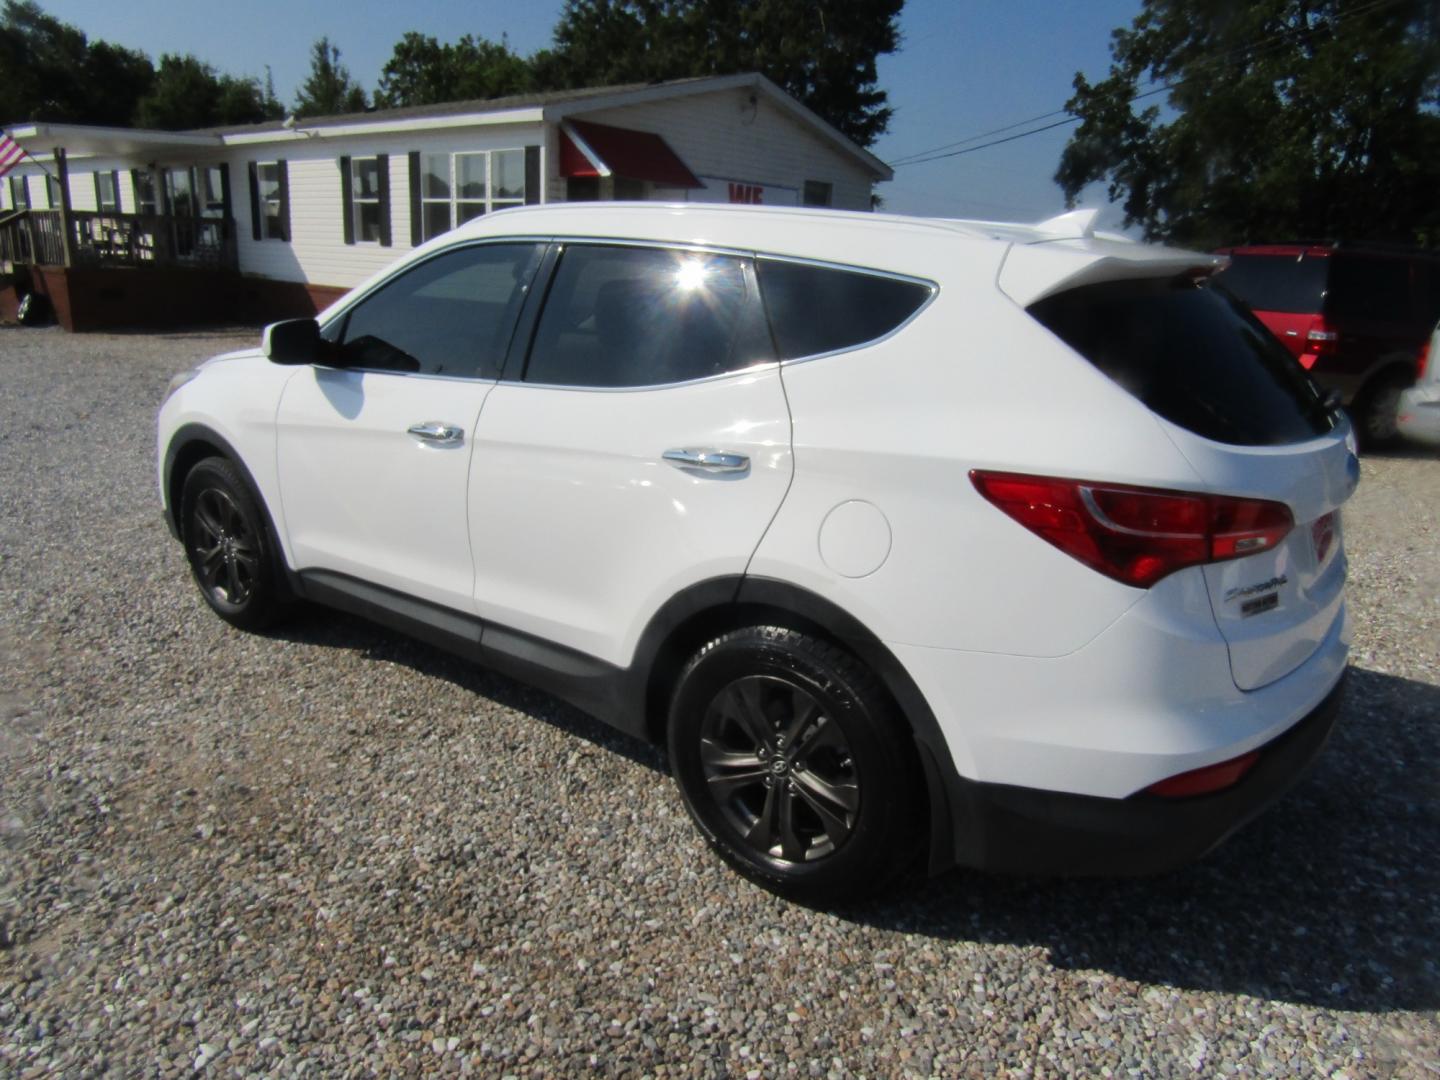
1194, 355
1289, 283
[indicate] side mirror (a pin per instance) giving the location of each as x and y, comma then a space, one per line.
294, 341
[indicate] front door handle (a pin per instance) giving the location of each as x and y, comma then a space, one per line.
434, 433
723, 461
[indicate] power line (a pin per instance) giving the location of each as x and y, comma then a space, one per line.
1255, 49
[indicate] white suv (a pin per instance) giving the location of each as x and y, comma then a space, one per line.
1011, 546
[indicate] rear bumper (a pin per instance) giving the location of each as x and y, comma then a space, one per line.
1013, 829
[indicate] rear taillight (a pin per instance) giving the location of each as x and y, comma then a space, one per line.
1132, 534
1422, 361
1321, 339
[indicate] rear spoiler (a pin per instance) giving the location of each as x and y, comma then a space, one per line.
1031, 272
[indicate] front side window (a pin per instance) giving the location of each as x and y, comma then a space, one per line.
629, 316
821, 309
450, 315
365, 188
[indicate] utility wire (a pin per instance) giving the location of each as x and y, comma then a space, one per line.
1254, 49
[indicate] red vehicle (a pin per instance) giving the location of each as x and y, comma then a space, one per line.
1355, 317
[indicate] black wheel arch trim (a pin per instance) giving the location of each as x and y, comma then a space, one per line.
729, 602
187, 437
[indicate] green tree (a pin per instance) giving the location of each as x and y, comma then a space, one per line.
421, 71
188, 93
52, 72
329, 89
821, 51
1285, 118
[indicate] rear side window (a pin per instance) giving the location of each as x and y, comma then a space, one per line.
1289, 283
632, 316
821, 309
1366, 289
1194, 355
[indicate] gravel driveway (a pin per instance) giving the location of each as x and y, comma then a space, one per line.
338, 851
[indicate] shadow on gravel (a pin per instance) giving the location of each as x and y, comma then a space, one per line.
1331, 898
336, 630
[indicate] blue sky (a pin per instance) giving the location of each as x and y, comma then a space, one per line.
963, 68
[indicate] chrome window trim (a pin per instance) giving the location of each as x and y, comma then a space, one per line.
754, 369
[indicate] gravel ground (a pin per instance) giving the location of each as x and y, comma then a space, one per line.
337, 851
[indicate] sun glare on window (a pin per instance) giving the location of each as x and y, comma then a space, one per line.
691, 275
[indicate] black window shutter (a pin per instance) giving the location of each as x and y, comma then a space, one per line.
417, 229
382, 166
255, 232
227, 207
532, 175
283, 175
99, 205
347, 200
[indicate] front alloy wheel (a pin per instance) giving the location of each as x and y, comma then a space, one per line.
227, 543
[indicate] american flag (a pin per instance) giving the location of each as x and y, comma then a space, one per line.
10, 153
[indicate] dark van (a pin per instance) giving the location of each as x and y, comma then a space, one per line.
1356, 318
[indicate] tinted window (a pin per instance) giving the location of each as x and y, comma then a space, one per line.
623, 316
450, 315
1286, 283
818, 309
1370, 290
1193, 355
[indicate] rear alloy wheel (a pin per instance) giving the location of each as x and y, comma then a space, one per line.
793, 764
228, 546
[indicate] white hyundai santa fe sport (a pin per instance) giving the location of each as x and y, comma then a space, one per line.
1003, 546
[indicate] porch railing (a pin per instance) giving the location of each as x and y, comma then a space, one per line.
29, 237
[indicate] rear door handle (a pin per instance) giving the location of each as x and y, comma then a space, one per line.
723, 461
434, 433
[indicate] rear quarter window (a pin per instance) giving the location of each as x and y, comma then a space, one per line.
821, 309
1194, 355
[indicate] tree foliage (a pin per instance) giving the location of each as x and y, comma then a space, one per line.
328, 90
53, 72
1285, 119
187, 93
422, 71
821, 51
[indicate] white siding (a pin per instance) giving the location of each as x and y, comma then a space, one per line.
317, 252
720, 135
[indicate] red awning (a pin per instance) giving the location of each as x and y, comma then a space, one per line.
634, 155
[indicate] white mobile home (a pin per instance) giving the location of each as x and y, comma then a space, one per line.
291, 214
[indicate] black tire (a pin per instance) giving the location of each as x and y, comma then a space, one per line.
1375, 410
230, 547
830, 816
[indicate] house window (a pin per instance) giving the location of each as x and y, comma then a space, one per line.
454, 188
52, 192
271, 194
180, 191
19, 194
107, 193
818, 193
212, 188
144, 181
365, 185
